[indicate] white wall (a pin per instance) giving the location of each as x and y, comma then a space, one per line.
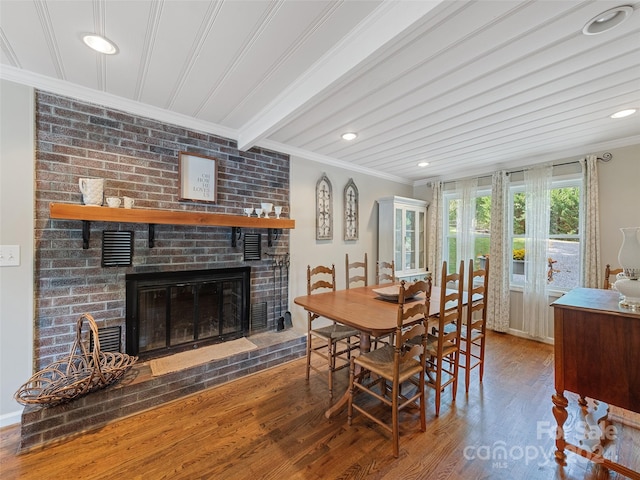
619, 198
306, 250
17, 154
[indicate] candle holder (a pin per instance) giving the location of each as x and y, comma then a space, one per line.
266, 208
628, 283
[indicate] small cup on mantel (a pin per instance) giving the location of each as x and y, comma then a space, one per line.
128, 202
113, 202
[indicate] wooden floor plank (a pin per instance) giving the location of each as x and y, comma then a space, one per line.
271, 426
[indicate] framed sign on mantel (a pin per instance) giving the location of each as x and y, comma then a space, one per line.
197, 176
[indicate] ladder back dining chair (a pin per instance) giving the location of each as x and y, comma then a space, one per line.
334, 342
407, 290
443, 345
608, 273
385, 272
356, 272
393, 366
473, 333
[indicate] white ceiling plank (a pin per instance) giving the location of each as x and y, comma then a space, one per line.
508, 109
173, 41
390, 19
318, 35
469, 85
479, 78
26, 39
220, 58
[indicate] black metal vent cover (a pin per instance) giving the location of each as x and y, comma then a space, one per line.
258, 315
252, 246
110, 339
117, 248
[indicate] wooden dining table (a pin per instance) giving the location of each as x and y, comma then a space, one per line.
365, 310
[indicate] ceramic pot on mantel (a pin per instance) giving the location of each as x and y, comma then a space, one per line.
92, 190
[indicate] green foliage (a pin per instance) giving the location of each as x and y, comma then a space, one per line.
518, 214
483, 213
565, 211
565, 215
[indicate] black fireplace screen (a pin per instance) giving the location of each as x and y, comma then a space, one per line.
179, 310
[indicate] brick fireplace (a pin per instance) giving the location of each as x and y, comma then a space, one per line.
138, 157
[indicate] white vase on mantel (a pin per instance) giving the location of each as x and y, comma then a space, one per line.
628, 283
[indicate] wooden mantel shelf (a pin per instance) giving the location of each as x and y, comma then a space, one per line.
69, 211
89, 213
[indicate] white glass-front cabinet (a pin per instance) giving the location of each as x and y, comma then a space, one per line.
402, 235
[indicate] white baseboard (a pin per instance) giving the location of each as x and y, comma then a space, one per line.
523, 334
10, 418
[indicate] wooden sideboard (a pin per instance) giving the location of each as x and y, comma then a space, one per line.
597, 355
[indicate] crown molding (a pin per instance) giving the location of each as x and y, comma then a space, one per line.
315, 157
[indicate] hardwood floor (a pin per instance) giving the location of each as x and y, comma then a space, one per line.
271, 426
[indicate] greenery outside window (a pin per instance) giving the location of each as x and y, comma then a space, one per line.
481, 227
565, 237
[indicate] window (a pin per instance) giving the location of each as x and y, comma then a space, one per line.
481, 228
563, 247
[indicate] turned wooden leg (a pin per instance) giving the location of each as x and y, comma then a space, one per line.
560, 404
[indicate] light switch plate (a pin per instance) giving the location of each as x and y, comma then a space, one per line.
9, 255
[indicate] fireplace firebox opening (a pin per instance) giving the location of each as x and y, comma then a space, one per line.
168, 312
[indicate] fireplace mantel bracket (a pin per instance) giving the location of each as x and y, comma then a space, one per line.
272, 235
152, 235
86, 234
236, 234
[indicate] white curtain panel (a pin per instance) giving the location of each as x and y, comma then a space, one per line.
466, 191
499, 255
537, 214
592, 263
434, 256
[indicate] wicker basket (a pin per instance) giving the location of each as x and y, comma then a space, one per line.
80, 373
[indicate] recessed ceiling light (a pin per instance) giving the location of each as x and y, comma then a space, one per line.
349, 136
607, 20
423, 164
624, 113
100, 44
